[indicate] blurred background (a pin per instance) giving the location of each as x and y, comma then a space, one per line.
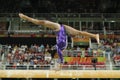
21, 41
61, 6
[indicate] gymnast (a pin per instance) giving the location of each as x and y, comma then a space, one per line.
61, 32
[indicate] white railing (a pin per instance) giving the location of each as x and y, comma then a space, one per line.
63, 67
50, 31
66, 15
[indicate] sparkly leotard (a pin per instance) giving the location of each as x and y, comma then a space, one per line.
61, 42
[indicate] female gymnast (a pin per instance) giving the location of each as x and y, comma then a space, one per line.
62, 31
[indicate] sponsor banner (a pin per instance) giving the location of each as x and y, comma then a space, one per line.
80, 39
81, 43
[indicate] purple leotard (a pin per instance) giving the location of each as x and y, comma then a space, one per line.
61, 42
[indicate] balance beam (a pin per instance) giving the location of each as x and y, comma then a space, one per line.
59, 74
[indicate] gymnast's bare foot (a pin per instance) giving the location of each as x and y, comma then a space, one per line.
98, 39
58, 68
22, 16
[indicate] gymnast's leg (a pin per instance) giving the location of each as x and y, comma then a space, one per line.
96, 36
74, 32
45, 23
59, 51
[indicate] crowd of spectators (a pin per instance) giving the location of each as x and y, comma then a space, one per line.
18, 55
